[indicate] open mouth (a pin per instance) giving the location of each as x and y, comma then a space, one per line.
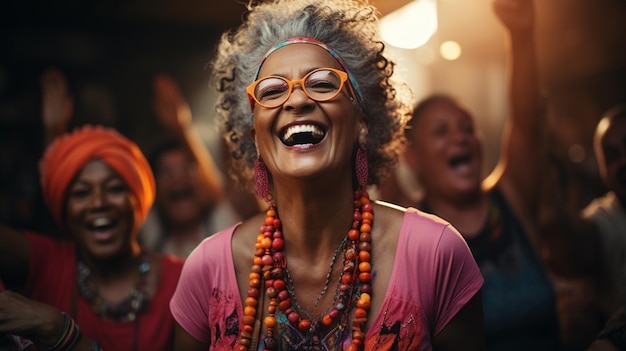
302, 134
460, 160
101, 224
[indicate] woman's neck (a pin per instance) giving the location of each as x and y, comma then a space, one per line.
467, 216
314, 221
113, 268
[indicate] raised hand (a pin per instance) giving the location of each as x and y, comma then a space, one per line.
57, 104
516, 15
170, 106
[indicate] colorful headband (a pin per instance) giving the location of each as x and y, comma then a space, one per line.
303, 40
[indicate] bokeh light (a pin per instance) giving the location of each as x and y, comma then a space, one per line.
410, 26
450, 50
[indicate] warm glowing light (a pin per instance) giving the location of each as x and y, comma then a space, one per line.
576, 153
410, 26
450, 50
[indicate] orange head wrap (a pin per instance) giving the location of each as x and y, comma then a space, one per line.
67, 155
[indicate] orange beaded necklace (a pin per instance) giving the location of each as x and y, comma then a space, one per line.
269, 271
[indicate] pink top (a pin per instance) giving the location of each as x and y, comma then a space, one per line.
434, 276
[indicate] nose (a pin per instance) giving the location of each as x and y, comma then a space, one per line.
97, 199
298, 99
461, 136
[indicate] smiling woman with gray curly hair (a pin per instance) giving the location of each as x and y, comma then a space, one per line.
351, 32
308, 103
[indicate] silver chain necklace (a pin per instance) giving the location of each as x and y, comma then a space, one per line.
290, 284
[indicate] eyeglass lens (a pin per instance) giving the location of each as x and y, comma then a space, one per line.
319, 85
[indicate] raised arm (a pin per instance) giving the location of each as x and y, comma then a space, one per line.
57, 105
56, 111
517, 171
174, 112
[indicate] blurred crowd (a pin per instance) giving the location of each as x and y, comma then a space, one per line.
548, 235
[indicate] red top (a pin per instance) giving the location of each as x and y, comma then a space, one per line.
52, 279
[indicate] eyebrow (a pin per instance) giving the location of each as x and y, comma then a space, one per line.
113, 176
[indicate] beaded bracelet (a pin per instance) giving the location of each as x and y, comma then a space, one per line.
76, 335
65, 330
69, 336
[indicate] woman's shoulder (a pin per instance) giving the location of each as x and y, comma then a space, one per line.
47, 239
407, 216
171, 262
244, 239
220, 240
246, 232
396, 219
50, 251
413, 228
388, 215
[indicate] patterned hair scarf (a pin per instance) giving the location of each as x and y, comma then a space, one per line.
69, 153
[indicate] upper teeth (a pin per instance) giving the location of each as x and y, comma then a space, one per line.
303, 129
101, 222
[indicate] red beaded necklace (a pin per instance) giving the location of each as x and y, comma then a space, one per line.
269, 270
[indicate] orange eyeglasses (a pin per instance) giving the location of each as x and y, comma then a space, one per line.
321, 84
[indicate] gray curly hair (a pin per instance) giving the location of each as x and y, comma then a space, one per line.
349, 27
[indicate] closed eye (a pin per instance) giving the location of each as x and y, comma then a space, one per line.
116, 188
79, 193
323, 81
322, 86
271, 88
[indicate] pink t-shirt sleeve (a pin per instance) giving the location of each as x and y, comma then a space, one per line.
436, 256
189, 304
457, 277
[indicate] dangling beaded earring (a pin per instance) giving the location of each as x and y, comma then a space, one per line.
362, 168
261, 178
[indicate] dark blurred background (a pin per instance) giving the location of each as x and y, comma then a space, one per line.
111, 50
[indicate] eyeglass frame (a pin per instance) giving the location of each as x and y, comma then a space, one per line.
343, 77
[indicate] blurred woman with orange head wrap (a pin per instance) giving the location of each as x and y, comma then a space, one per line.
97, 282
69, 153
